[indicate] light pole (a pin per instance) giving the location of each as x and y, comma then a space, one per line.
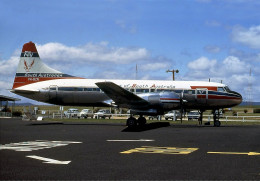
173, 71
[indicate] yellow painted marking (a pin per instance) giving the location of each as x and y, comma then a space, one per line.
161, 150
236, 153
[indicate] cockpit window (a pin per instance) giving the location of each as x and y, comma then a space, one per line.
227, 89
221, 89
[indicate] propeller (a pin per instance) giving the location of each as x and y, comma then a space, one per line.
181, 104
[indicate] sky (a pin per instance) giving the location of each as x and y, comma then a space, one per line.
216, 39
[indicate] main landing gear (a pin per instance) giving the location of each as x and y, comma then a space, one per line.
133, 122
217, 123
201, 116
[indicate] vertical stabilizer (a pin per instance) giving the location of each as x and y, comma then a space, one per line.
31, 69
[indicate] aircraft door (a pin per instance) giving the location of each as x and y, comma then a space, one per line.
201, 95
53, 89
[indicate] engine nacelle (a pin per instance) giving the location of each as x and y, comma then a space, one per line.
165, 100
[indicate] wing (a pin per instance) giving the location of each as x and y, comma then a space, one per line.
122, 97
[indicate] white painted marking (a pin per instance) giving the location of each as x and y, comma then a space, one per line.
131, 140
39, 118
35, 145
48, 160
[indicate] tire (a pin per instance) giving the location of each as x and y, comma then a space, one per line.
131, 122
141, 121
217, 123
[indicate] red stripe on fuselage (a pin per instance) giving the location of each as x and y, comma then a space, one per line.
21, 81
204, 87
169, 99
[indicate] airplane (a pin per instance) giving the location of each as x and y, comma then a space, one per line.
37, 81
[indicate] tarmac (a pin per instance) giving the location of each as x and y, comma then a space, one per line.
158, 151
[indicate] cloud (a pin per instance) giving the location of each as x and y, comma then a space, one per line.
154, 66
213, 23
231, 70
249, 37
212, 49
124, 26
235, 65
100, 52
245, 56
203, 63
8, 67
203, 67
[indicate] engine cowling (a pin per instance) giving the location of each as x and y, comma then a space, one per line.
164, 100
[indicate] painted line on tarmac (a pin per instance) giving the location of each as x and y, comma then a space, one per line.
161, 150
48, 160
35, 145
236, 153
130, 140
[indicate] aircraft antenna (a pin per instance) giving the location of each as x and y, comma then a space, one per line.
136, 72
249, 90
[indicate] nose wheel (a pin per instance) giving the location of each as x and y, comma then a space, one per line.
217, 123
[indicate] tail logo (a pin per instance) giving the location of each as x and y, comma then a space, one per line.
28, 54
26, 67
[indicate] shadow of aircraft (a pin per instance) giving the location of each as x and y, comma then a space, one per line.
147, 127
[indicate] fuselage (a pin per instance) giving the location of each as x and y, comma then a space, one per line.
84, 92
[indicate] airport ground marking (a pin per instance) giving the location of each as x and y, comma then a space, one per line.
236, 153
48, 160
35, 145
161, 150
129, 140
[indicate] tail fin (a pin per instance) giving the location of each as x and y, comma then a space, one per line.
31, 69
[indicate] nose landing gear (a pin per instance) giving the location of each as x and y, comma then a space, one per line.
216, 116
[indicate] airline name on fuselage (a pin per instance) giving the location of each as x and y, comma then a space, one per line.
42, 75
136, 86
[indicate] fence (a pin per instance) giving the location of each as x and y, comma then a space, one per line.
210, 117
236, 118
5, 114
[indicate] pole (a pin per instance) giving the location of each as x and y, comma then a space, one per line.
173, 71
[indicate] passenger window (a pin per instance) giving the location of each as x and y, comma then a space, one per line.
88, 89
160, 90
152, 90
138, 90
146, 90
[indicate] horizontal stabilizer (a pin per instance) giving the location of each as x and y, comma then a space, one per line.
24, 91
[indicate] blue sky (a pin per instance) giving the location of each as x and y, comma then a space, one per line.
204, 39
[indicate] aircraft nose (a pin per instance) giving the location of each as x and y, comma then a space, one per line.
239, 98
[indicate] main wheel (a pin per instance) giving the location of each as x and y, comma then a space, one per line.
217, 123
131, 122
141, 121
